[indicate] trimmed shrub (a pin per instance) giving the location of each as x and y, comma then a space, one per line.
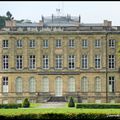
26, 103
10, 106
98, 106
71, 102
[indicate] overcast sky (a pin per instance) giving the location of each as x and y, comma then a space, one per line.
91, 12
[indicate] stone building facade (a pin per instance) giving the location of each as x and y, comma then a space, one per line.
63, 61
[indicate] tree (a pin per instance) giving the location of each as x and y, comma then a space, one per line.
9, 15
71, 102
26, 103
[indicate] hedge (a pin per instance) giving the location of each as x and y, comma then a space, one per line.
98, 106
62, 116
10, 106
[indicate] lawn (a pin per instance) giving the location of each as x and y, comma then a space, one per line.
56, 110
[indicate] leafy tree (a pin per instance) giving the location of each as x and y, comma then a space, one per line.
71, 102
9, 15
26, 103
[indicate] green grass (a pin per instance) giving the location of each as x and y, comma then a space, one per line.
56, 110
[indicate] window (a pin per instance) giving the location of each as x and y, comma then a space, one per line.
45, 62
45, 43
111, 84
112, 43
97, 43
84, 101
58, 62
45, 85
97, 84
112, 101
58, 43
5, 62
84, 61
32, 43
71, 85
71, 43
5, 84
19, 43
5, 44
97, 61
84, 84
111, 61
32, 85
84, 43
32, 62
18, 83
19, 62
5, 102
71, 62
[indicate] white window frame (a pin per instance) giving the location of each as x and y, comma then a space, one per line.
45, 84
32, 43
111, 84
84, 84
5, 84
84, 43
112, 43
98, 61
45, 62
111, 61
97, 43
5, 44
58, 61
71, 84
19, 62
45, 43
58, 43
5, 62
32, 85
98, 84
84, 61
71, 43
19, 43
71, 61
32, 62
19, 86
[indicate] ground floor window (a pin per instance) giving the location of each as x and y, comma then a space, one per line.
5, 101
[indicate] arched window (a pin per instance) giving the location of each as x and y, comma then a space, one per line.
18, 84
45, 84
32, 85
97, 84
84, 84
71, 84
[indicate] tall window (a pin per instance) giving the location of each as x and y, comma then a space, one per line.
5, 84
19, 84
5, 44
19, 62
32, 43
19, 43
45, 62
58, 43
85, 43
112, 43
5, 62
111, 84
84, 61
32, 85
97, 61
58, 62
32, 62
111, 61
71, 61
45, 43
45, 85
84, 84
97, 84
71, 43
97, 43
71, 84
